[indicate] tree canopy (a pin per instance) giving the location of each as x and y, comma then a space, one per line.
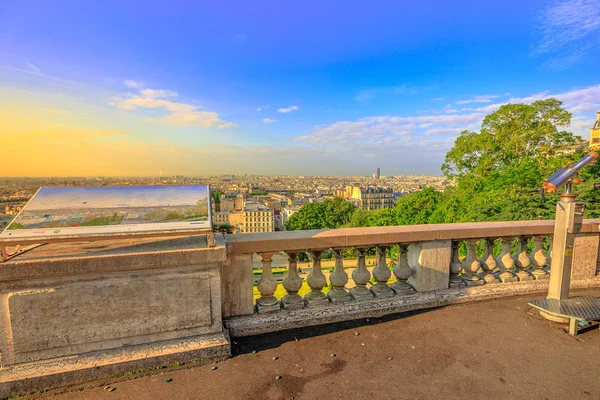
330, 213
517, 147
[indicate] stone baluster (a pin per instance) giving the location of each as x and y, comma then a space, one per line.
455, 267
538, 259
338, 279
317, 281
402, 272
549, 256
382, 274
506, 262
471, 265
361, 277
292, 284
488, 263
522, 261
267, 285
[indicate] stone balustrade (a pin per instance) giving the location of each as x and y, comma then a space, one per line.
428, 259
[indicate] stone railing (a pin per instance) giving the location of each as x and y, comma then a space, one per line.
72, 312
428, 260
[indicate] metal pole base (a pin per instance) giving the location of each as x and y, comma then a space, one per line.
553, 318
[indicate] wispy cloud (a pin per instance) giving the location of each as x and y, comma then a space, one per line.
179, 114
381, 132
239, 38
370, 93
569, 29
288, 109
486, 98
133, 84
33, 68
268, 120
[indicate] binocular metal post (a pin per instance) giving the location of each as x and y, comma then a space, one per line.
558, 307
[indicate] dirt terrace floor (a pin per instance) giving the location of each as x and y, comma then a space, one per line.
493, 350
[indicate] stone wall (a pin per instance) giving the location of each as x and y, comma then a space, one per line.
90, 305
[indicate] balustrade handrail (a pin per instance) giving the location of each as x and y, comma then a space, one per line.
249, 243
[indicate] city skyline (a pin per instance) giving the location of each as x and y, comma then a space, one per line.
275, 89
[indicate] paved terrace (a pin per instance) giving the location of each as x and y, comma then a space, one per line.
489, 350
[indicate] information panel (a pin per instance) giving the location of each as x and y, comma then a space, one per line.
101, 210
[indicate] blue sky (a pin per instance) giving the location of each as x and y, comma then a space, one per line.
198, 88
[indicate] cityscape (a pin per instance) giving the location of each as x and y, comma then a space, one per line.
309, 200
276, 197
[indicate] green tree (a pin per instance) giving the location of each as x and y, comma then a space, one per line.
223, 228
517, 147
330, 213
526, 134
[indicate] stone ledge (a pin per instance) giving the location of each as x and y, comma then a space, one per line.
22, 269
259, 324
65, 371
347, 237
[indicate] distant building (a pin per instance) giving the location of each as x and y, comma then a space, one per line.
278, 220
253, 220
287, 212
378, 174
368, 198
233, 202
377, 198
595, 133
220, 218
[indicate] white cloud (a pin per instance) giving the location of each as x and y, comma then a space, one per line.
31, 67
157, 94
382, 133
179, 114
486, 98
268, 120
132, 84
569, 29
288, 109
443, 131
225, 125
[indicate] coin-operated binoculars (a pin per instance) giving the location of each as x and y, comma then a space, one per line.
557, 306
569, 218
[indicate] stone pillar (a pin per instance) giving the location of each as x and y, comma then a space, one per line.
317, 281
382, 274
488, 263
402, 272
471, 265
237, 284
506, 261
455, 281
267, 286
538, 259
292, 284
430, 262
338, 279
523, 261
549, 257
361, 277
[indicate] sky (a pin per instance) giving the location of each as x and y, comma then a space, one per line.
280, 88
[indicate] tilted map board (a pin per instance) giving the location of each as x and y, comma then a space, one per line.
55, 212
